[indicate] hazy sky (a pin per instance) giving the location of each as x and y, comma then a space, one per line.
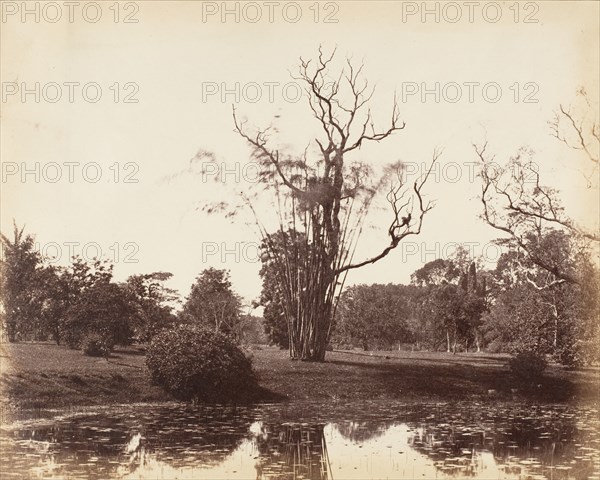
90, 107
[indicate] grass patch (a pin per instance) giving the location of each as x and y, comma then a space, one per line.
44, 375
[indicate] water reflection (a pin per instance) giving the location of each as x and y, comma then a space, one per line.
527, 444
292, 451
308, 441
117, 443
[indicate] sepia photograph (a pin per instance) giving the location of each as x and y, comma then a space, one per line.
300, 240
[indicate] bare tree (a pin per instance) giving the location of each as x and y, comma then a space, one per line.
579, 131
517, 203
322, 203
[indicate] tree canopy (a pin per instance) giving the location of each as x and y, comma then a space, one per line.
212, 302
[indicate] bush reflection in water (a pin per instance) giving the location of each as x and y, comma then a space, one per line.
308, 440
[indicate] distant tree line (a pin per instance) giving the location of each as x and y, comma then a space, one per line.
82, 304
454, 305
451, 305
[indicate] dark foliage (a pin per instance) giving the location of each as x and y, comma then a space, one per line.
94, 345
528, 367
373, 316
103, 309
194, 363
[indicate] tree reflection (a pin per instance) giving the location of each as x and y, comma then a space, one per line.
178, 441
292, 451
359, 432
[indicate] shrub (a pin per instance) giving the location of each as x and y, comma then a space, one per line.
193, 363
528, 366
94, 345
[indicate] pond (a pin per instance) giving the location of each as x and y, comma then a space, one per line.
373, 440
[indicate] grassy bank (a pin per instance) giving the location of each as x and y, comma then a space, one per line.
43, 375
36, 375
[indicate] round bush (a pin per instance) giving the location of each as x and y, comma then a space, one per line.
94, 345
528, 366
193, 363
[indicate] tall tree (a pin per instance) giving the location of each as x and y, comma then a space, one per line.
325, 195
213, 303
474, 304
21, 285
153, 303
517, 202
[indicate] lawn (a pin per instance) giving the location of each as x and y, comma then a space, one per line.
417, 376
44, 375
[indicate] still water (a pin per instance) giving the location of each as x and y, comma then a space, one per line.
373, 440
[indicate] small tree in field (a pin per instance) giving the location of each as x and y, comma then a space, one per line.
324, 195
196, 363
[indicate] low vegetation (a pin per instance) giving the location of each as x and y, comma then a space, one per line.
44, 375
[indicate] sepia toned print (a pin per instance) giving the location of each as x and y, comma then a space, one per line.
300, 240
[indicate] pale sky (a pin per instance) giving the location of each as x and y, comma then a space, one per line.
181, 58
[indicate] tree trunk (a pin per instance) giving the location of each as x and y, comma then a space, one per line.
310, 306
11, 331
447, 340
309, 334
454, 342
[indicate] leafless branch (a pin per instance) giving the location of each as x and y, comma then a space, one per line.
259, 142
521, 213
576, 128
401, 227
